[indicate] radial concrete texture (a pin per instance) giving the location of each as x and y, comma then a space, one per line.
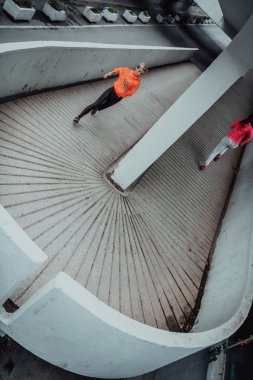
145, 254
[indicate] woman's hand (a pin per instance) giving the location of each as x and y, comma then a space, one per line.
108, 74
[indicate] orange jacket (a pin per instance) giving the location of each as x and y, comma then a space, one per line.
126, 74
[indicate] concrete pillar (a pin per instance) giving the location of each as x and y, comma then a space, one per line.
230, 65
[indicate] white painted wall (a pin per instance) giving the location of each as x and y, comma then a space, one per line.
230, 65
83, 335
30, 66
19, 256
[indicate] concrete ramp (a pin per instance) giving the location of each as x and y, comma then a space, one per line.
133, 265
66, 325
144, 255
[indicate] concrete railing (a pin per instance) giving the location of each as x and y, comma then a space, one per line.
81, 334
31, 66
228, 291
19, 256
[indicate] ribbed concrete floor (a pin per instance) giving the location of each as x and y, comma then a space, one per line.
144, 255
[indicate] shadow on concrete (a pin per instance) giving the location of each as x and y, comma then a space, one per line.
16, 363
239, 359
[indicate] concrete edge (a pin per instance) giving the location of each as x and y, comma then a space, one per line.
15, 233
17, 46
56, 27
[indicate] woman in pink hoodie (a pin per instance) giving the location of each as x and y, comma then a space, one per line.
241, 128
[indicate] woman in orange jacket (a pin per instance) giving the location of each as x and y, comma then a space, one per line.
240, 129
126, 85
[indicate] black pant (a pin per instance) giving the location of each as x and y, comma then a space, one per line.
107, 99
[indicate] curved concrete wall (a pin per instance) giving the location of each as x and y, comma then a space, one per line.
81, 334
32, 66
228, 291
19, 256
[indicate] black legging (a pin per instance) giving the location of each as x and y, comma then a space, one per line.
107, 99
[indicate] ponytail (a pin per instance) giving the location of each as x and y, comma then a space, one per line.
247, 120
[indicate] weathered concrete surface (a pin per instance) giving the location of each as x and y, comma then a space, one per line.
26, 67
62, 179
209, 39
17, 253
18, 363
52, 185
158, 35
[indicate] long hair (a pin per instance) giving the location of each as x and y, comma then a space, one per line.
247, 120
